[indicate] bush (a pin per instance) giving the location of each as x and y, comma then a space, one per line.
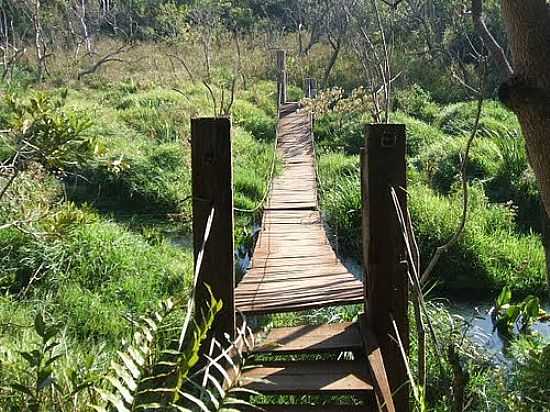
529, 381
340, 132
417, 102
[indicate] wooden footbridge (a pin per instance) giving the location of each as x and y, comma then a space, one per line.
294, 268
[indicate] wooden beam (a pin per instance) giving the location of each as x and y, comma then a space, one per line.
282, 79
386, 285
310, 88
213, 188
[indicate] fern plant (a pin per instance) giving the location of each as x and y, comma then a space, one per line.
148, 378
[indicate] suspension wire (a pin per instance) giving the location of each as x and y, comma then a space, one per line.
269, 180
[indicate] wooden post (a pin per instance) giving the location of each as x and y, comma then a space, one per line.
386, 284
310, 88
213, 188
282, 79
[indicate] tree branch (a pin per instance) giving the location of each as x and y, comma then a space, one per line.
490, 42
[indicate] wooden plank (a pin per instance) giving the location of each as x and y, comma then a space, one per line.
335, 337
212, 190
305, 408
309, 377
376, 366
295, 304
281, 307
384, 167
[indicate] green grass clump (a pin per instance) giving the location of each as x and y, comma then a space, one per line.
103, 273
262, 94
341, 200
340, 132
254, 120
458, 118
441, 162
488, 256
420, 135
417, 102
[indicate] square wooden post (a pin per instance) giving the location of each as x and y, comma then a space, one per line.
212, 183
386, 283
310, 86
282, 79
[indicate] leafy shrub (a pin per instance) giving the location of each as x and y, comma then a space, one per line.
441, 162
40, 130
529, 372
337, 131
416, 102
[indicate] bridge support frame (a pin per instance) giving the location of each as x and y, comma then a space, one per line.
282, 77
383, 166
212, 189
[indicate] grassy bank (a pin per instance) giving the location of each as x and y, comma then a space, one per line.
97, 245
500, 245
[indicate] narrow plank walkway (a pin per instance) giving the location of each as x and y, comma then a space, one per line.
294, 266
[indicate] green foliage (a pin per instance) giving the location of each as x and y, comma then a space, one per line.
488, 256
262, 94
515, 183
156, 377
417, 103
40, 130
530, 387
335, 132
254, 120
458, 118
441, 162
40, 368
420, 135
507, 315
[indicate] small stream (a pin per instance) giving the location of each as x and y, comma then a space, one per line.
482, 330
476, 313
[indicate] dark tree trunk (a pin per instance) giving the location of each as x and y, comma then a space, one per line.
527, 93
546, 240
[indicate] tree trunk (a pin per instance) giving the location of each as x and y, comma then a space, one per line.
528, 91
546, 240
334, 56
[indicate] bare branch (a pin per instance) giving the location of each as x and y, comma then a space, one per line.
490, 42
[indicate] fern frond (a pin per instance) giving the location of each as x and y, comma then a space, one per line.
125, 377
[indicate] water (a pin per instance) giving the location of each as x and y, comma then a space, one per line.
482, 330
